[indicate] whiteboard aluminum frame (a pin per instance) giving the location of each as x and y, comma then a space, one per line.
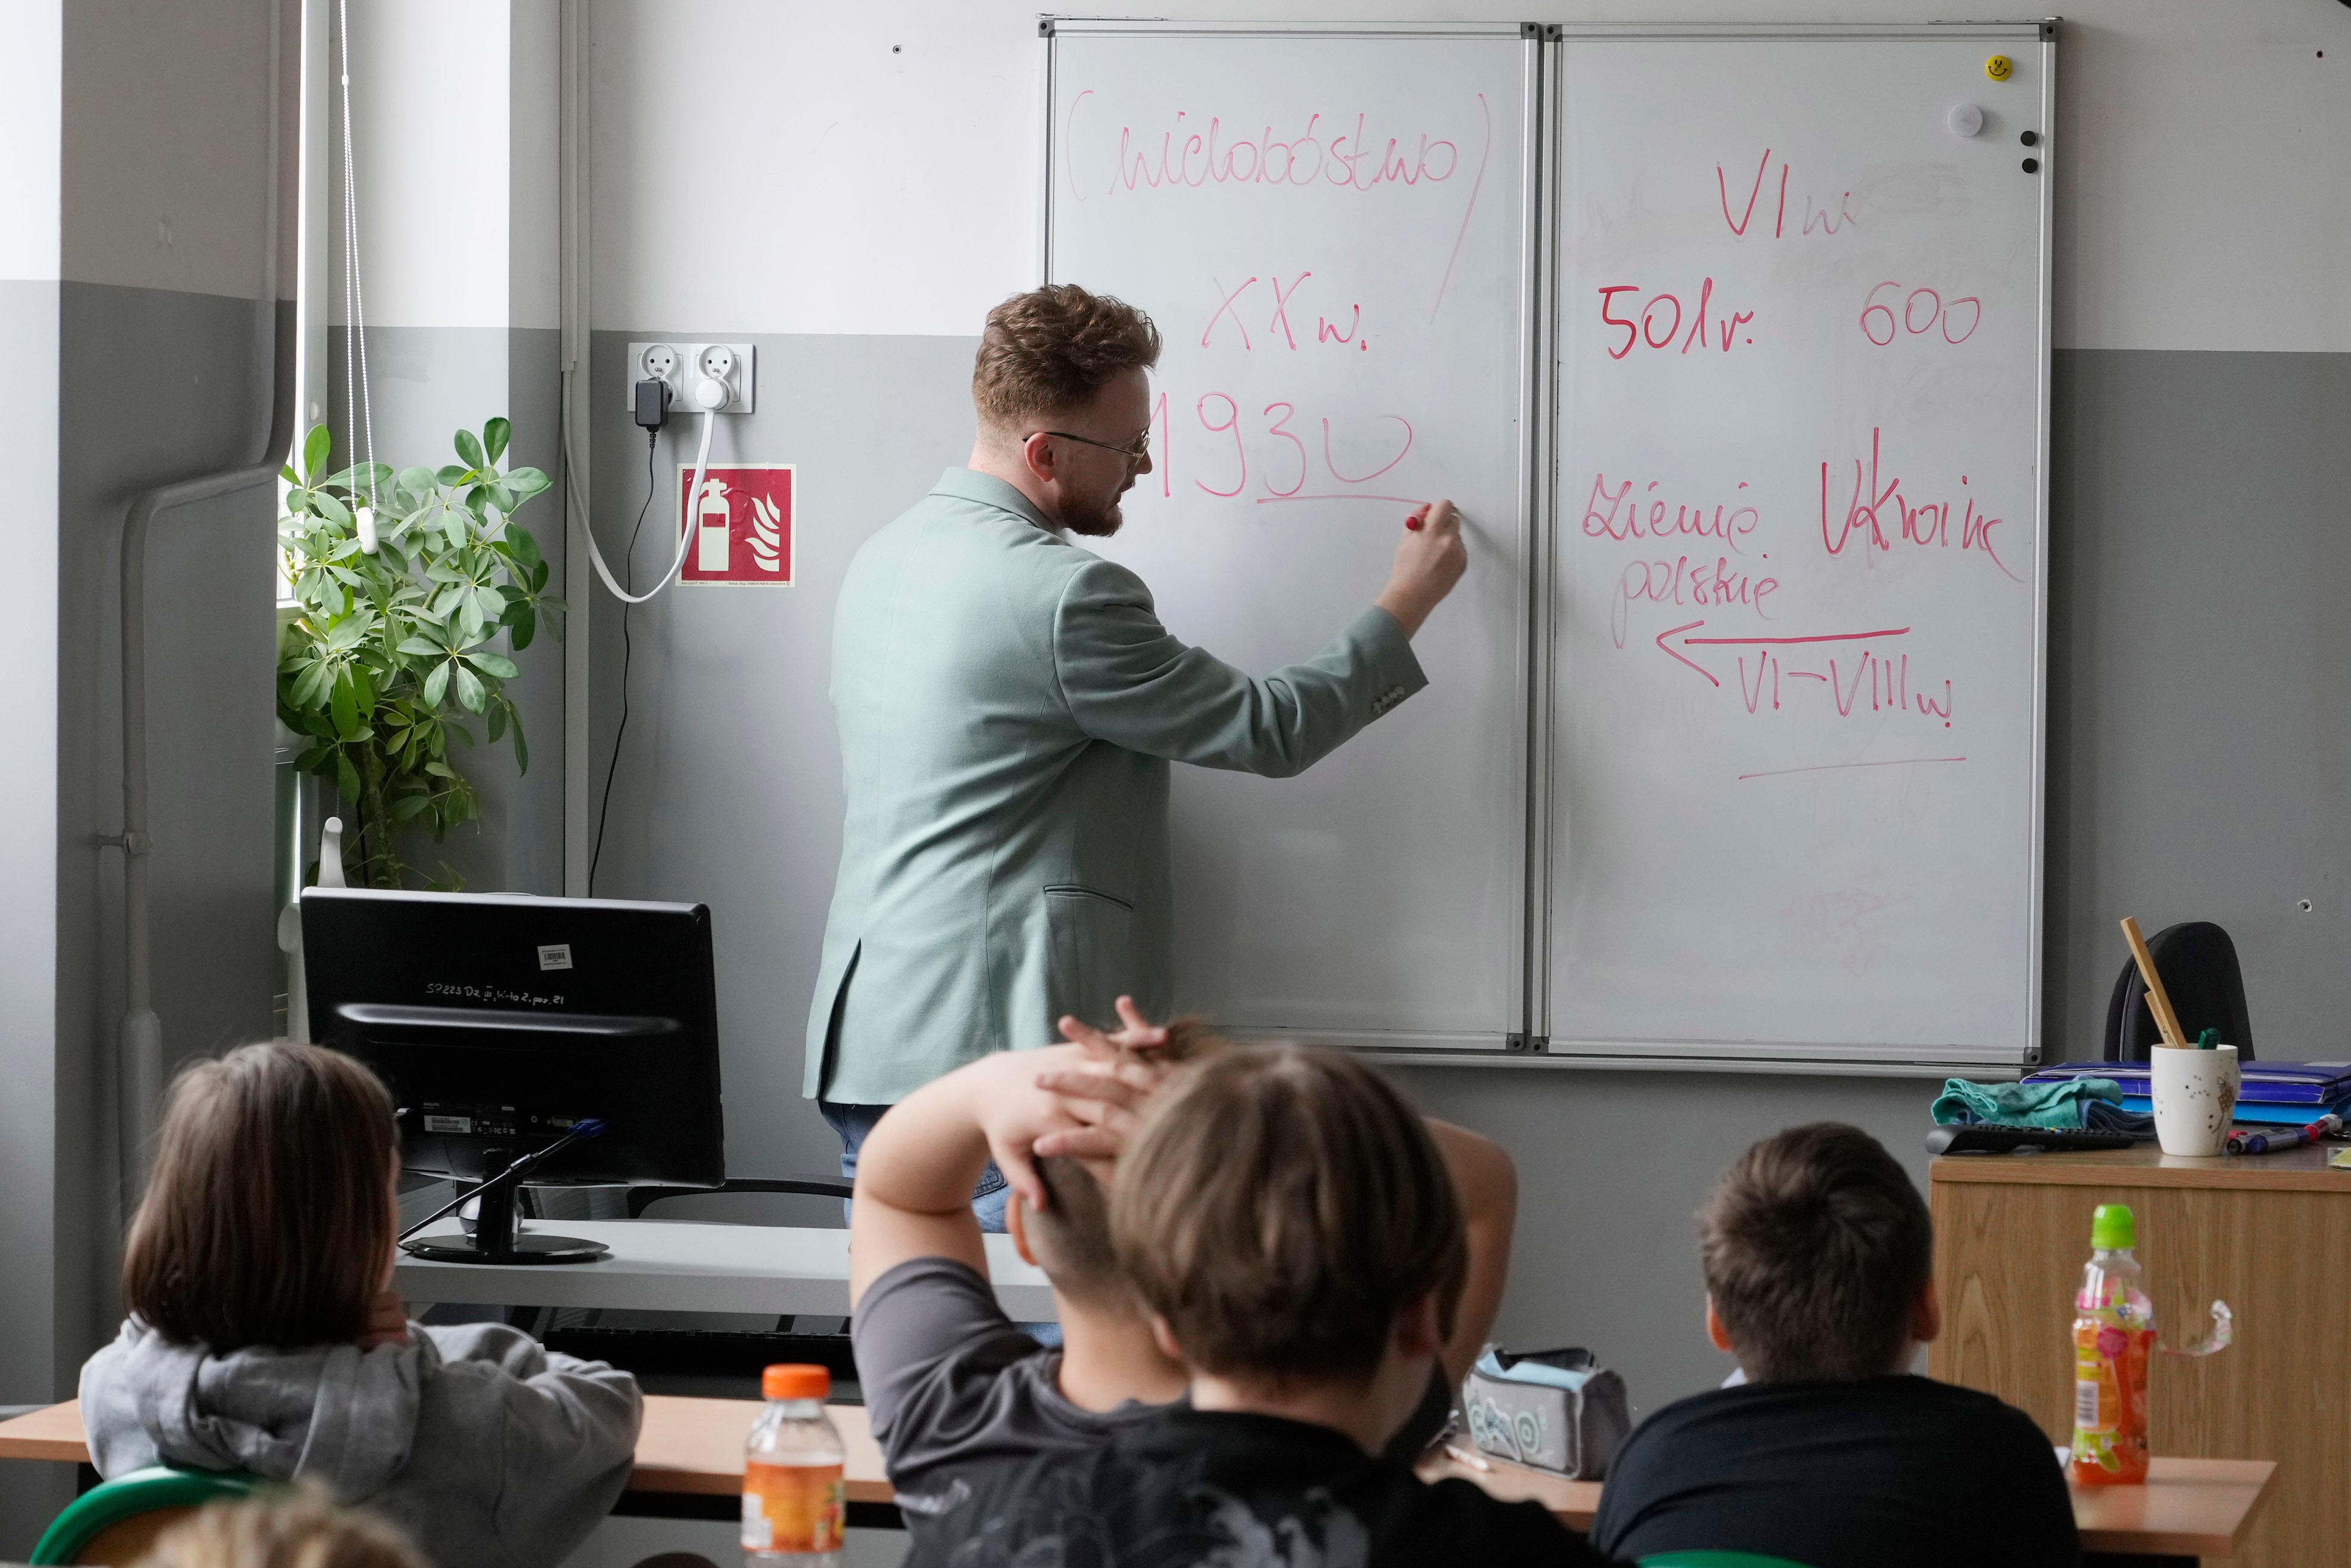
1549, 142
1537, 483
1826, 1057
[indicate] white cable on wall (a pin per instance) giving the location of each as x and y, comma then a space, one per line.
685, 535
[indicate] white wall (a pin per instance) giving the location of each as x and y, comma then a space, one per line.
457, 136
31, 80
430, 131
455, 130
878, 167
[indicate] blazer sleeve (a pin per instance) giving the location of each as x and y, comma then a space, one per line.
1127, 680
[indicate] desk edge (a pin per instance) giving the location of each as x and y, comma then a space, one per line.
2044, 1170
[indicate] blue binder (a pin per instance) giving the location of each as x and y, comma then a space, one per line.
2288, 1091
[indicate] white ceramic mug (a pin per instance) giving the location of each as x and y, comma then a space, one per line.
2195, 1095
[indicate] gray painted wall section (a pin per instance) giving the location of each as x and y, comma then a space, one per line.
2200, 690
2197, 768
192, 410
1612, 1167
729, 788
151, 386
424, 382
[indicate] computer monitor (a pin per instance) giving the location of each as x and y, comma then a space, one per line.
501, 1022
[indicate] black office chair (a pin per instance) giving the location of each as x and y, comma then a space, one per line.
530, 1206
2198, 965
644, 1198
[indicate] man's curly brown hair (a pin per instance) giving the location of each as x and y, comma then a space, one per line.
1048, 350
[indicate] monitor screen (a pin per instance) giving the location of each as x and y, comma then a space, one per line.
498, 1020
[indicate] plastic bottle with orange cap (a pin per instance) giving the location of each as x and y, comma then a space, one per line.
795, 1501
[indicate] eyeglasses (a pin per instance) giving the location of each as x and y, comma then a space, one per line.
1139, 451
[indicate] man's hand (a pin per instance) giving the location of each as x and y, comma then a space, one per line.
387, 1321
1430, 560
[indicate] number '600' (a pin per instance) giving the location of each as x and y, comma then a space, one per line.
1881, 325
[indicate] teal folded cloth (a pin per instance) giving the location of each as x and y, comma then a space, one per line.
2021, 1104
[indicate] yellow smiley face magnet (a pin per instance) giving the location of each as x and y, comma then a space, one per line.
1998, 67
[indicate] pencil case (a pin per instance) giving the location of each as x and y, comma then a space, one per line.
1556, 1411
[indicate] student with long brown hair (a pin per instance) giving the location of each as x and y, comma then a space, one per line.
263, 1334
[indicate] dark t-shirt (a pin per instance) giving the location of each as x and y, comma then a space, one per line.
1896, 1469
988, 1458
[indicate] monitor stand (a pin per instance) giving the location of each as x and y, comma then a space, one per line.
494, 1240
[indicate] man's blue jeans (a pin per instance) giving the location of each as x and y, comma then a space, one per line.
854, 1122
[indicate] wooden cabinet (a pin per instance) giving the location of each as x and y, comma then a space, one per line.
2269, 1235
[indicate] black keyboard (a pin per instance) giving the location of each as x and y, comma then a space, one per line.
2021, 1141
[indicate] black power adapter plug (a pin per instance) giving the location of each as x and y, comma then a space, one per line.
652, 401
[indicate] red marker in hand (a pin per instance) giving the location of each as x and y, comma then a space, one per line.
1419, 515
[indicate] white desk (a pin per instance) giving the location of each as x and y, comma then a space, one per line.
690, 1266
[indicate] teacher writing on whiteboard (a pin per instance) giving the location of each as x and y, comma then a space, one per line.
1009, 703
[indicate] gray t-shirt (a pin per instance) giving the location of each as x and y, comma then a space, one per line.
951, 1383
951, 1386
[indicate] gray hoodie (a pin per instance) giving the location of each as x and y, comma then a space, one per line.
488, 1450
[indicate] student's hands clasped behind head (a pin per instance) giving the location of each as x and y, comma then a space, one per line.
1106, 1094
1080, 1100
916, 1174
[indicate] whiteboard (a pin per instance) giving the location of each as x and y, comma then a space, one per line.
1798, 604
1334, 230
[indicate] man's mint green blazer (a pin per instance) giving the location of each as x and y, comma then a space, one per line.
1009, 705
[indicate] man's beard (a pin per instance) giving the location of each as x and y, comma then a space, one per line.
1098, 521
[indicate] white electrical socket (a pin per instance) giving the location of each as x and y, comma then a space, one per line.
682, 364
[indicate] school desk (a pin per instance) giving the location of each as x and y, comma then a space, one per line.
690, 1466
689, 1456
695, 1266
2269, 1234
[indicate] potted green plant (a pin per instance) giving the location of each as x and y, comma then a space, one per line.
404, 579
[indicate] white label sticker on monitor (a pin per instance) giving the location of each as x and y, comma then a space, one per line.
448, 1123
556, 956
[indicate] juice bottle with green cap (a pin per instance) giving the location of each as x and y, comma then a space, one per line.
2113, 1334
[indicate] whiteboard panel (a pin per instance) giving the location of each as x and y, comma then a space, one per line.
1798, 587
1332, 230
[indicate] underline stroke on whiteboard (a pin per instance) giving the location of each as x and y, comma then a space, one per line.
1484, 154
1829, 767
1824, 637
1407, 500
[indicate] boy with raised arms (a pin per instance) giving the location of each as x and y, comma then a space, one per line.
949, 1379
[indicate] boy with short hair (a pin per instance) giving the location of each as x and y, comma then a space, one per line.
1818, 1255
969, 1411
1296, 1238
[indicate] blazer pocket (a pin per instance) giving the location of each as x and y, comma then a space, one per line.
1089, 953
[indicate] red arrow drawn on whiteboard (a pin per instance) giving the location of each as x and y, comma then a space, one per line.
1691, 662
1775, 642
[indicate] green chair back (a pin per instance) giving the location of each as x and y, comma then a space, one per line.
1716, 1560
114, 1523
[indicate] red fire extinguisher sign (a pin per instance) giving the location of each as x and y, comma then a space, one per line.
740, 517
